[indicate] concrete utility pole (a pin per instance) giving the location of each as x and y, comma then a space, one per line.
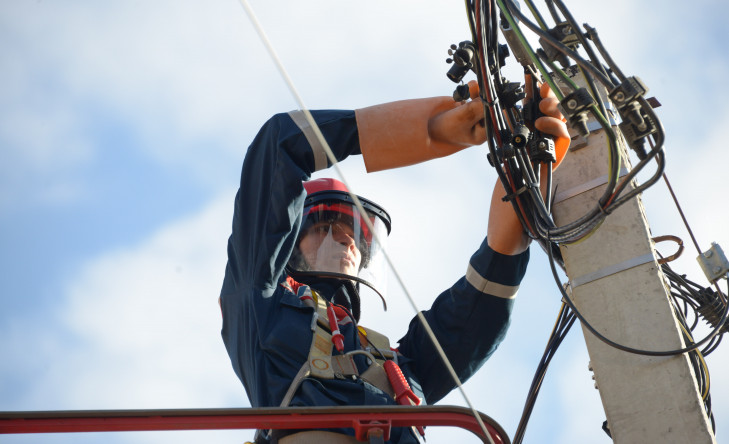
619, 287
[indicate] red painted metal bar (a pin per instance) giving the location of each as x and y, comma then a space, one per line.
362, 419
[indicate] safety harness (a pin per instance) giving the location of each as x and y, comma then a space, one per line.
323, 364
383, 371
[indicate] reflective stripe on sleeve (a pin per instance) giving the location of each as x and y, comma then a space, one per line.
320, 156
488, 287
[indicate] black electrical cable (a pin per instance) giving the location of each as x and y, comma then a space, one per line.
514, 10
521, 177
624, 348
612, 137
540, 217
571, 232
656, 151
702, 375
542, 225
711, 415
548, 190
712, 345
494, 30
536, 13
691, 294
553, 11
580, 227
685, 312
565, 320
576, 30
492, 124
592, 35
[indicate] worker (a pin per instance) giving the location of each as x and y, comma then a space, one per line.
300, 251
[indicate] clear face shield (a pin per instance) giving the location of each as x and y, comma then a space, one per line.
335, 238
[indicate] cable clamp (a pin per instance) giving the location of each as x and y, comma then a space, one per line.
714, 263
575, 106
612, 269
593, 126
628, 91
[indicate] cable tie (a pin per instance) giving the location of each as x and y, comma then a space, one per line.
515, 194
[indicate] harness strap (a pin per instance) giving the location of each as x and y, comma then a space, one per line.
377, 376
320, 354
377, 344
323, 365
300, 376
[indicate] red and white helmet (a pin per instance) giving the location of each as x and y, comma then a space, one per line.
334, 237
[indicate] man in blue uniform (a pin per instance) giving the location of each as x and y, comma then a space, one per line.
300, 250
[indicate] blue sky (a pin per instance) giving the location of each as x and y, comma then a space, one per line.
123, 126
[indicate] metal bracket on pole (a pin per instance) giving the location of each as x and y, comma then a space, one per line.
613, 269
714, 263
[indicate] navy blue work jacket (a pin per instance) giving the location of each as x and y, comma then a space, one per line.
267, 328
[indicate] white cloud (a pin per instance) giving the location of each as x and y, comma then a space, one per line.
193, 82
579, 399
189, 84
40, 135
140, 327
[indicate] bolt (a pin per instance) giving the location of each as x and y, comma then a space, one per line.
708, 254
572, 104
717, 270
619, 96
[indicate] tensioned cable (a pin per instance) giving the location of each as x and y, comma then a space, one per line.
317, 131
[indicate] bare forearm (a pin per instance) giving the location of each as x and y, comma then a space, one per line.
505, 232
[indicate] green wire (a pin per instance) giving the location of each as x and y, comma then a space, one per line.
536, 14
532, 55
597, 112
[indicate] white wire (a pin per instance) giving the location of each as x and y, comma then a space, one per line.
333, 160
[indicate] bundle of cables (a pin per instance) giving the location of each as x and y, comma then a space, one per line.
516, 150
693, 302
522, 156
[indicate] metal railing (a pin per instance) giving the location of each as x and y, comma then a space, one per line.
366, 422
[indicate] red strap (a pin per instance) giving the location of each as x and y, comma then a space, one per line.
293, 285
403, 393
340, 312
